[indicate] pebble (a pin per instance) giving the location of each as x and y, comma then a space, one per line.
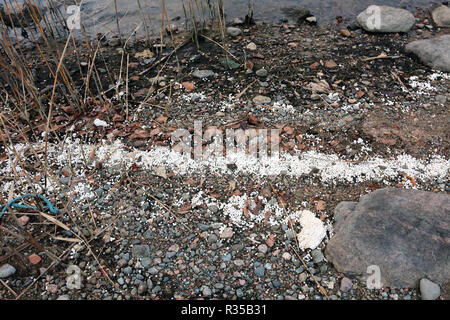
6, 270
262, 72
261, 100
233, 31
262, 248
317, 256
202, 74
140, 251
429, 290
286, 256
346, 33
346, 284
34, 259
227, 233
251, 46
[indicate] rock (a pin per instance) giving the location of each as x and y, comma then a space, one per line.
286, 256
346, 33
114, 42
262, 248
260, 270
403, 232
441, 16
251, 46
261, 72
317, 256
385, 19
140, 251
34, 259
63, 297
234, 32
434, 52
261, 100
6, 270
23, 220
313, 231
296, 14
206, 291
346, 285
202, 74
311, 19
237, 21
440, 99
227, 233
171, 28
429, 290
161, 172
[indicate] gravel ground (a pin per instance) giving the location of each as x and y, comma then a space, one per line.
158, 232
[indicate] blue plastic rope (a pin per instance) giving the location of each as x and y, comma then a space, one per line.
13, 204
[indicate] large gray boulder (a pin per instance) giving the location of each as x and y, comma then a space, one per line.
441, 16
406, 233
385, 19
434, 52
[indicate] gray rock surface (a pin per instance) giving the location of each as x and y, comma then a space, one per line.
429, 290
404, 232
140, 251
434, 52
441, 16
201, 74
234, 32
385, 19
6, 270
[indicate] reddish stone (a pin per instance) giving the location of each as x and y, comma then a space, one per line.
34, 259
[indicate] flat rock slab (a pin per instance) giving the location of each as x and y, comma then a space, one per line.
385, 19
434, 52
404, 232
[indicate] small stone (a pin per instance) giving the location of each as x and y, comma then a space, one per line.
429, 290
389, 19
317, 256
261, 100
202, 74
34, 259
114, 42
330, 64
172, 28
302, 277
140, 251
260, 271
63, 297
262, 248
346, 32
311, 19
23, 220
6, 270
52, 288
262, 72
251, 46
206, 291
346, 284
142, 289
286, 256
441, 16
227, 233
234, 32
